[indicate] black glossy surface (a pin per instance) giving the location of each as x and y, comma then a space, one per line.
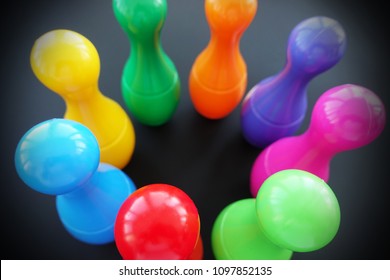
209, 160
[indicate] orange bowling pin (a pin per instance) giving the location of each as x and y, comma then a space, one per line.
218, 77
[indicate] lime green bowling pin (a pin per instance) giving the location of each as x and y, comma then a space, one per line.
150, 81
294, 211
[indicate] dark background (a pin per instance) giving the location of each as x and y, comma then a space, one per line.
209, 160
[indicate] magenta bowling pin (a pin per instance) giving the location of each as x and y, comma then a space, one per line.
344, 118
276, 106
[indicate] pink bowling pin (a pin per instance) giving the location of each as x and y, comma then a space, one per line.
344, 118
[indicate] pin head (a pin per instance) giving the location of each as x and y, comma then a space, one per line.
236, 235
66, 62
230, 15
316, 44
140, 17
297, 210
348, 117
57, 156
157, 221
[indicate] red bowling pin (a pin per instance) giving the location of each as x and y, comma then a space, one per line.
158, 222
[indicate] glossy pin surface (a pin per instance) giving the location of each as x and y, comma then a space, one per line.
150, 81
68, 63
218, 77
276, 106
345, 117
294, 211
60, 157
236, 235
298, 211
158, 221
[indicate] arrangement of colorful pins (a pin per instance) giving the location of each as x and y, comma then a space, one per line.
79, 158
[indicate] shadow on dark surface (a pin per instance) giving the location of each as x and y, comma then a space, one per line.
209, 160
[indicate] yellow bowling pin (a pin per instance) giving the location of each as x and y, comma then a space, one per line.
68, 63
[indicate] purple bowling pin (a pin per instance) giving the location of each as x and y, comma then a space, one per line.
344, 118
276, 107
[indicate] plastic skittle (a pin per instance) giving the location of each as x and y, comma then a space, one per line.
294, 211
61, 157
150, 81
344, 118
276, 107
158, 222
68, 63
236, 235
218, 77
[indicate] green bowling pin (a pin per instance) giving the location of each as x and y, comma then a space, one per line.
150, 81
236, 235
294, 211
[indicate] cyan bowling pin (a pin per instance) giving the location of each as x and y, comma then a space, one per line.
60, 157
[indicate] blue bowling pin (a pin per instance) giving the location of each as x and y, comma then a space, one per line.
276, 106
60, 157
